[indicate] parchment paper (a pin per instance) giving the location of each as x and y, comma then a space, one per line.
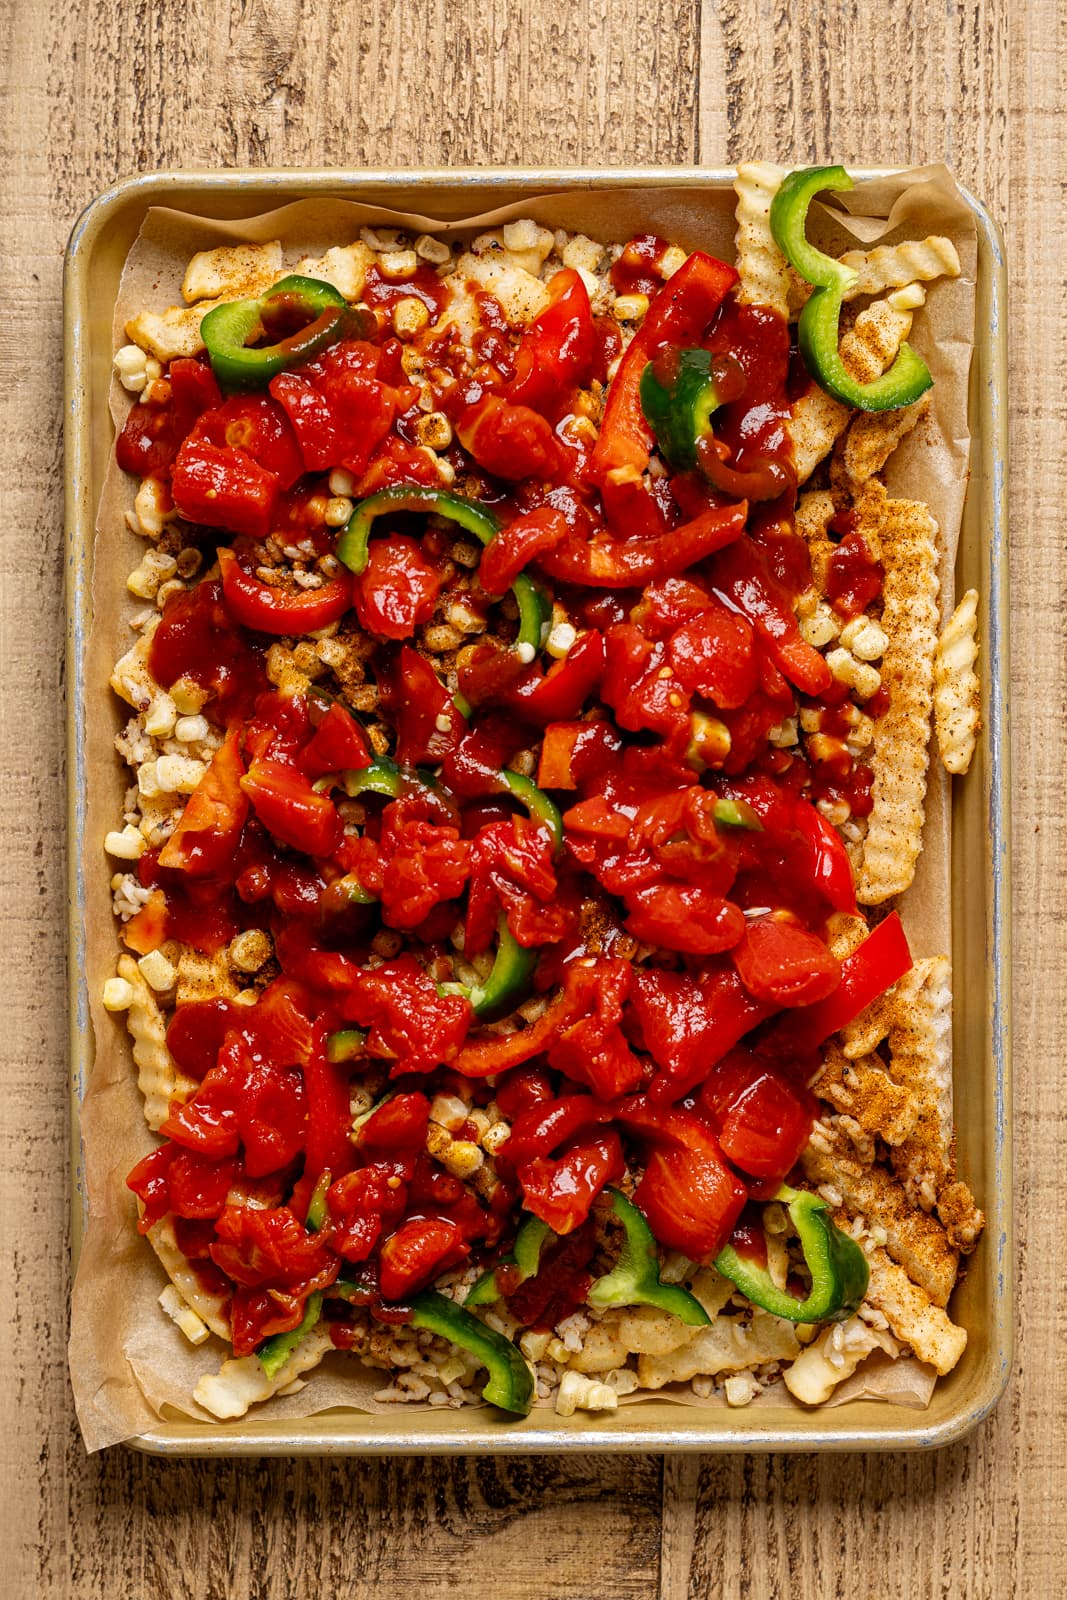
130, 1366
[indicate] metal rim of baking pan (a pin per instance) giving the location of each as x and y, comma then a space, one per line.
244, 192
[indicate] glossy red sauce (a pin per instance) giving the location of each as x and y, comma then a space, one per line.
196, 639
423, 285
636, 270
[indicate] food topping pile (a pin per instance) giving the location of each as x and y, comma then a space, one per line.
530, 703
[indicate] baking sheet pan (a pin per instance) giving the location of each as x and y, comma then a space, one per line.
980, 892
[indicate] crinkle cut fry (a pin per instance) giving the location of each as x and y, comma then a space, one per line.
914, 1019
871, 439
868, 349
159, 1078
864, 1090
891, 267
906, 532
918, 1242
957, 692
241, 1382
766, 276
210, 1308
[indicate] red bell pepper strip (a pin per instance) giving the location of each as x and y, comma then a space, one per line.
482, 1058
543, 697
281, 611
290, 809
678, 315
830, 868
557, 350
624, 563
573, 751
328, 1147
743, 580
868, 972
517, 544
542, 1127
210, 826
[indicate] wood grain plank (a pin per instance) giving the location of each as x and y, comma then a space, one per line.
95, 88
89, 91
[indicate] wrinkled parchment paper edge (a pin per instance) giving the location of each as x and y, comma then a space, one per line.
130, 1367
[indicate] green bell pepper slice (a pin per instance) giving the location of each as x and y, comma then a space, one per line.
524, 1256
678, 397
838, 1267
274, 1352
227, 329
345, 1045
353, 547
537, 803
634, 1280
736, 814
508, 980
511, 1384
818, 331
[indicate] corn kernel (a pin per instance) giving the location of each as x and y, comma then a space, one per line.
398, 264
179, 774
117, 995
157, 971
191, 730
129, 845
250, 950
629, 307
339, 509
410, 316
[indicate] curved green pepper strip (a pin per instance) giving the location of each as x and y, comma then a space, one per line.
227, 329
508, 979
353, 547
736, 814
524, 1256
345, 1045
909, 376
511, 1384
274, 1352
634, 1280
838, 1267
679, 411
537, 803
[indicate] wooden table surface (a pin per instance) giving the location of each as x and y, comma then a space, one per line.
97, 88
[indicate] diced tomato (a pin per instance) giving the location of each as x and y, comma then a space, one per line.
425, 863
691, 1199
557, 350
148, 1180
198, 1186
398, 1126
561, 1189
684, 916
310, 418
783, 963
410, 1023
256, 1246
289, 808
196, 1031
147, 928
421, 704
154, 428
510, 441
572, 752
210, 827
224, 488
337, 745
420, 1248
687, 1024
762, 1120
398, 588
714, 656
